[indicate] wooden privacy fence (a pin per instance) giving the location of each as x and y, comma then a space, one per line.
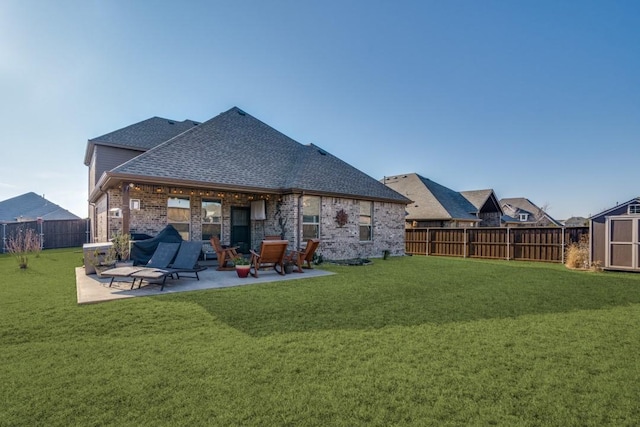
519, 243
63, 233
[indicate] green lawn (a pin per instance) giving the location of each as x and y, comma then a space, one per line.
408, 341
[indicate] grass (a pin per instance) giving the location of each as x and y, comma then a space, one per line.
407, 341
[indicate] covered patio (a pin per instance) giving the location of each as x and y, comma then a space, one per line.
94, 289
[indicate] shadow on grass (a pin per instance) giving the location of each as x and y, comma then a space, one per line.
413, 291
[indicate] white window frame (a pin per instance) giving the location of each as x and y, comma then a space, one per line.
219, 222
633, 209
311, 219
523, 217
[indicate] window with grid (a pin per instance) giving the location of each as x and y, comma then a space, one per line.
179, 215
310, 217
366, 216
211, 219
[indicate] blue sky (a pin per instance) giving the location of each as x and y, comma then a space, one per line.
536, 99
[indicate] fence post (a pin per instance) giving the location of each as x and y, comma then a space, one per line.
427, 248
464, 248
563, 243
508, 244
4, 238
39, 220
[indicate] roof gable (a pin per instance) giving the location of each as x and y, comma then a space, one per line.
520, 205
142, 135
616, 208
235, 149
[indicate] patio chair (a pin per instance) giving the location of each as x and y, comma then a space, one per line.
186, 262
271, 254
161, 258
301, 256
224, 254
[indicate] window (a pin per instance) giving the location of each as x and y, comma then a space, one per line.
211, 219
134, 204
633, 209
366, 214
179, 215
524, 216
310, 217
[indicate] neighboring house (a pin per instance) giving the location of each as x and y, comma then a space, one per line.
521, 212
433, 205
615, 237
487, 206
576, 221
30, 207
235, 177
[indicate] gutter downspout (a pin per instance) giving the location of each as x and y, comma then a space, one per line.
299, 221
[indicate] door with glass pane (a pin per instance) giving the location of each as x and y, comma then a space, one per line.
240, 228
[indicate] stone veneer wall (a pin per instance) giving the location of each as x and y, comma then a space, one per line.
336, 242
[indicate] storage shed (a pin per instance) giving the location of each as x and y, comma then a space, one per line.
615, 237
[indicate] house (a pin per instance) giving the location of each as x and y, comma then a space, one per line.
435, 205
521, 212
615, 237
235, 177
487, 206
31, 207
576, 221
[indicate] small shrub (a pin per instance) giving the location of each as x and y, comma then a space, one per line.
22, 244
577, 254
121, 244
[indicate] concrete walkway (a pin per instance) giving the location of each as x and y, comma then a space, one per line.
93, 289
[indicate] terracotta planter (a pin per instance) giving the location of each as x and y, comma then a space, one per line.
242, 270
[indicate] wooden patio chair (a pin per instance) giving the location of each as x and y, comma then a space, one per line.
299, 257
225, 254
271, 254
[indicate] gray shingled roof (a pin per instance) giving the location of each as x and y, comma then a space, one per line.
432, 201
142, 135
477, 197
512, 206
236, 149
30, 206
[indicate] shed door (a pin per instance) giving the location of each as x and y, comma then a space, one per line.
623, 243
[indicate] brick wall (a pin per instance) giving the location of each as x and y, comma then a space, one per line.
282, 215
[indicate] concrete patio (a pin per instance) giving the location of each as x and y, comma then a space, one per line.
94, 289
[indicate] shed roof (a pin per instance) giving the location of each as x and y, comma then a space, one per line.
616, 207
236, 150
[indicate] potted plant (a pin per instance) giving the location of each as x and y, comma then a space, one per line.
242, 266
288, 267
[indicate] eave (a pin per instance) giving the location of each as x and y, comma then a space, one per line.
110, 180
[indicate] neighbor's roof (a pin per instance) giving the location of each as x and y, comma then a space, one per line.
432, 201
29, 207
477, 197
517, 205
141, 136
234, 150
